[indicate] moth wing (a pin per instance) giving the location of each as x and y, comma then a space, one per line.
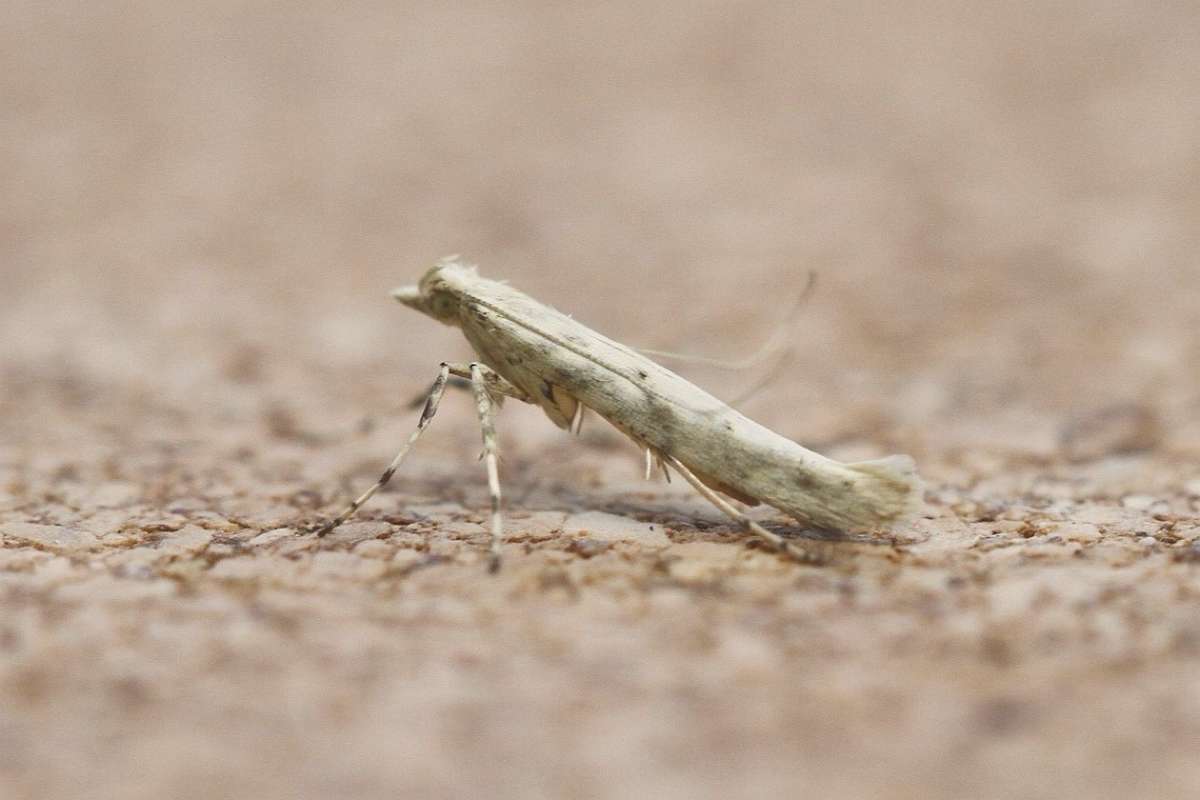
514, 360
558, 404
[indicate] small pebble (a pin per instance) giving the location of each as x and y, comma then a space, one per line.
1138, 502
1083, 532
373, 548
612, 528
190, 539
588, 547
50, 537
406, 559
271, 536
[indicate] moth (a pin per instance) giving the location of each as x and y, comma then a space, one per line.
532, 353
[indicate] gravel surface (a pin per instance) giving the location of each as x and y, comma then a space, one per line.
205, 210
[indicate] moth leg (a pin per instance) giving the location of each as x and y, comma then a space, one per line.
487, 414
455, 382
431, 406
775, 540
460, 378
497, 385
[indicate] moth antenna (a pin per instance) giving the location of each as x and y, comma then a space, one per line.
777, 343
768, 377
431, 407
577, 422
649, 463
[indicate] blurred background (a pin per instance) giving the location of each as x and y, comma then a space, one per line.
1000, 200
204, 207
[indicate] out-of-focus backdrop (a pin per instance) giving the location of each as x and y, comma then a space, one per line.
204, 208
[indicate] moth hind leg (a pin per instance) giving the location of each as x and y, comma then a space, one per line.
776, 541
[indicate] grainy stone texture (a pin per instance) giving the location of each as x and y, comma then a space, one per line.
204, 209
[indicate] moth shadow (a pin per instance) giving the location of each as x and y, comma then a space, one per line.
688, 519
693, 522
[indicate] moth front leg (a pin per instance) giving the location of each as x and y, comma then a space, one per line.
431, 407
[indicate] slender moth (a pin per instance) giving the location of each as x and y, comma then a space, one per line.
535, 354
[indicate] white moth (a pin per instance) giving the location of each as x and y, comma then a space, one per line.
535, 354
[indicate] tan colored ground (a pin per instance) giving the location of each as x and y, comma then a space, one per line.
202, 215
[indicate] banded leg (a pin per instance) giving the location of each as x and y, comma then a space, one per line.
461, 379
497, 385
486, 411
775, 540
431, 406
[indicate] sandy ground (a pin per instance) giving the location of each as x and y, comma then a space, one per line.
204, 211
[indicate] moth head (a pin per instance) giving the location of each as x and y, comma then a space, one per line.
439, 292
